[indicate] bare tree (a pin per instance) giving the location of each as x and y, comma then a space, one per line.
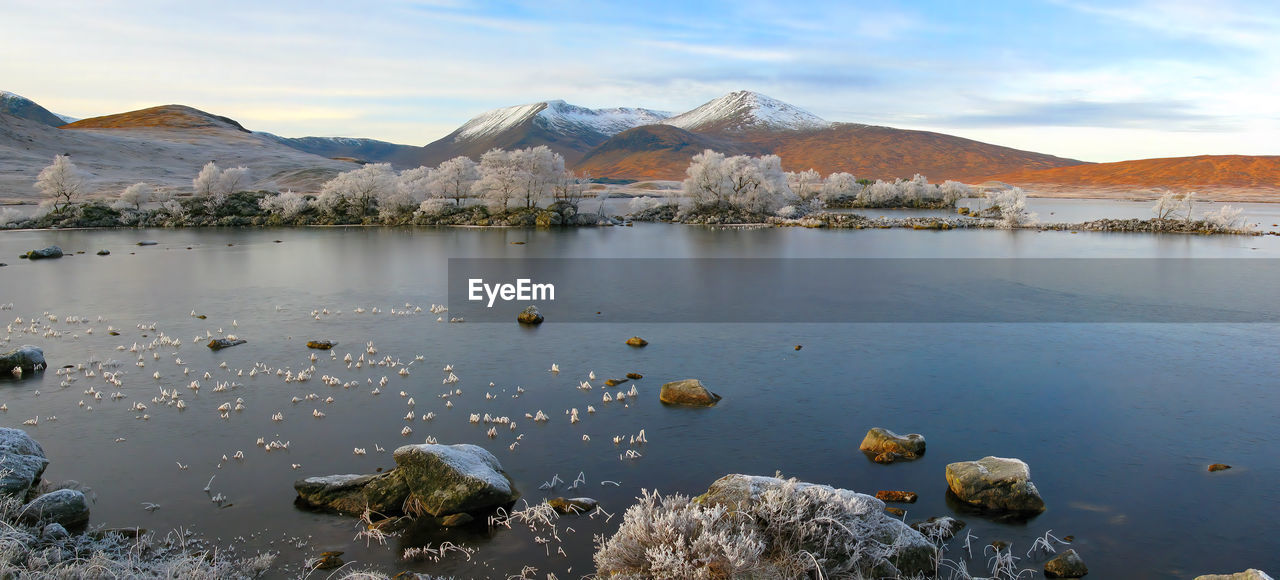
61, 182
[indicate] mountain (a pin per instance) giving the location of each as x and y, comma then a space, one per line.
354, 149
745, 111
567, 129
25, 108
1202, 172
164, 146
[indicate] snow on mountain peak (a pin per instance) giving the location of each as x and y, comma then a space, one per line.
560, 116
746, 110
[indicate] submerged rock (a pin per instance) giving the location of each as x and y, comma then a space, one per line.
23, 463
1066, 565
573, 505
65, 506
321, 344
897, 496
529, 315
995, 483
344, 493
637, 341
104, 252
1219, 467
50, 252
687, 392
887, 446
150, 243
27, 357
943, 528
221, 343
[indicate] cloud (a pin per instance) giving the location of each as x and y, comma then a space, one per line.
1170, 115
1255, 26
722, 51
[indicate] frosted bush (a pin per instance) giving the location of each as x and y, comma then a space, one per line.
789, 212
174, 208
432, 205
8, 216
1011, 205
1227, 218
287, 204
642, 203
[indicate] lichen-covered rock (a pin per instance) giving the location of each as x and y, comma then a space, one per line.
897, 496
529, 315
22, 462
906, 551
995, 483
1250, 574
29, 358
1219, 467
687, 392
449, 479
45, 253
1066, 565
637, 341
64, 506
221, 343
320, 344
880, 441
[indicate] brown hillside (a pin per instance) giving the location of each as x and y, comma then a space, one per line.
1176, 173
874, 152
663, 152
166, 116
656, 152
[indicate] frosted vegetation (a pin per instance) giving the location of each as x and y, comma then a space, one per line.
532, 187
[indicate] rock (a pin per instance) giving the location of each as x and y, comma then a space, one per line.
995, 483
799, 346
1219, 467
614, 382
908, 551
149, 243
455, 520
880, 440
573, 505
104, 252
1250, 574
328, 561
895, 511
635, 376
897, 496
23, 460
529, 315
437, 480
1066, 565
321, 344
221, 343
48, 253
943, 528
344, 493
886, 458
29, 358
449, 479
54, 531
65, 506
636, 341
687, 392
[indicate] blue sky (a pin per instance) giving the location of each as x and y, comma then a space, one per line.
1089, 79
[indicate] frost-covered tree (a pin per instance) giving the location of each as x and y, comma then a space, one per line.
60, 182
1226, 219
539, 168
286, 205
232, 180
353, 193
412, 187
1171, 205
1011, 205
206, 181
840, 186
134, 196
500, 179
754, 184
214, 184
706, 182
953, 191
571, 187
454, 178
805, 184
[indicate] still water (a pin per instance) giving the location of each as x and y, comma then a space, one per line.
1117, 421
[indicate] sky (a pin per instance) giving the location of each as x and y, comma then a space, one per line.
1094, 80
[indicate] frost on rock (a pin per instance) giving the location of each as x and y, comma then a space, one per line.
763, 527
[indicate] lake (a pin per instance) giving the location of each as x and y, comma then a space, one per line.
1117, 421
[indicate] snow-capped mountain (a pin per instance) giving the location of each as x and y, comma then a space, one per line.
20, 106
747, 111
569, 130
560, 117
